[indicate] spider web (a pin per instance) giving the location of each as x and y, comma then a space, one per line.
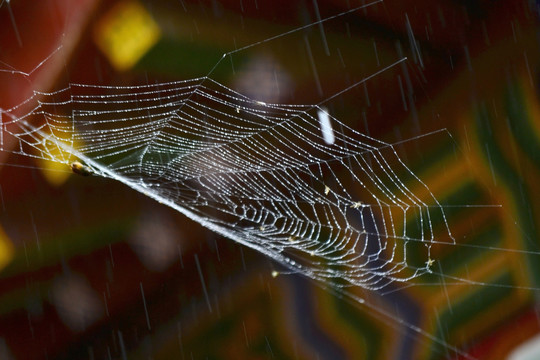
260, 174
343, 211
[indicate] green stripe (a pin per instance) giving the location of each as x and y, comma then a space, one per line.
507, 174
363, 325
520, 124
469, 308
185, 59
72, 243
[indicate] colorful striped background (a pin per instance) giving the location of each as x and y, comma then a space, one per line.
76, 284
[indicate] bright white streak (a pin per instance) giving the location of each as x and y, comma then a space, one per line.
326, 126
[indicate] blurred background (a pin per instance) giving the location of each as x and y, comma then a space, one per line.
90, 269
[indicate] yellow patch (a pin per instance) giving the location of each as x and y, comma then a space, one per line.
7, 250
126, 33
54, 172
56, 168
